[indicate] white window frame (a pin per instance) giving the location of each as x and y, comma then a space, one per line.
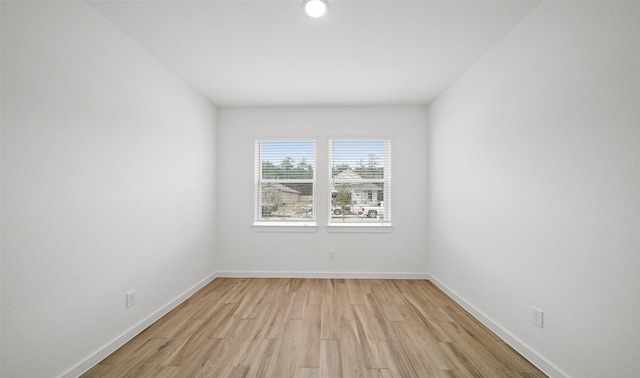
361, 223
277, 224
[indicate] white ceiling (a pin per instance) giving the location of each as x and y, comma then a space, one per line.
268, 53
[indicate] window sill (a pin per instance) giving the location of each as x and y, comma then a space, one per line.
284, 227
360, 227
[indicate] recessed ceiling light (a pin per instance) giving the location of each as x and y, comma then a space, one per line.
315, 8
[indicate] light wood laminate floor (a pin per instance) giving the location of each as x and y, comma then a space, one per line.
316, 328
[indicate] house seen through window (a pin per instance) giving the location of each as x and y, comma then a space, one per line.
285, 180
360, 180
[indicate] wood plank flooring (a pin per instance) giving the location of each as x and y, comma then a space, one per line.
316, 328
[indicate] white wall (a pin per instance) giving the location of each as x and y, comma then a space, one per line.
534, 187
401, 253
108, 185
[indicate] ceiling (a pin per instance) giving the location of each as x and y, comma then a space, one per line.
268, 53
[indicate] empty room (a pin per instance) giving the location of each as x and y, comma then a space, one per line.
327, 188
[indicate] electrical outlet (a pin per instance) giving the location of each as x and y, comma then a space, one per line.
131, 298
536, 316
332, 255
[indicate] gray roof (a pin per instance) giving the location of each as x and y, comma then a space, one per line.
281, 188
348, 174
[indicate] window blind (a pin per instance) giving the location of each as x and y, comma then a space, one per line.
285, 179
360, 180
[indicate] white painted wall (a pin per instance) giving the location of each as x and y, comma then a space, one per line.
108, 185
535, 186
240, 250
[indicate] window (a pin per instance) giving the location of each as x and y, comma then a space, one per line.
360, 181
285, 180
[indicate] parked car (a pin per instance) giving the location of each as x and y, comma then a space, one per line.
372, 211
342, 210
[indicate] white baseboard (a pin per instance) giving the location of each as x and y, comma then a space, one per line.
119, 341
361, 275
542, 363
